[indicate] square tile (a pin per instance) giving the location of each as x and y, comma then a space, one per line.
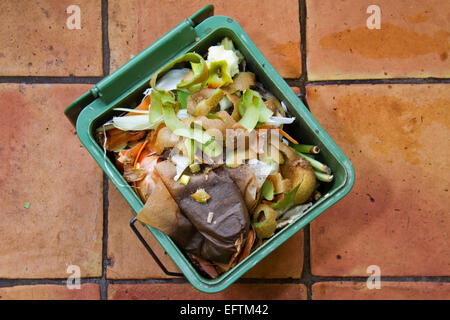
412, 41
184, 291
88, 291
37, 41
44, 167
387, 291
134, 25
396, 216
129, 258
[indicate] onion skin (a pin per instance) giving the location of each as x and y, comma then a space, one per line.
251, 238
146, 185
204, 266
165, 139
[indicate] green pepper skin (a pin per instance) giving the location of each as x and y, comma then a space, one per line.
218, 74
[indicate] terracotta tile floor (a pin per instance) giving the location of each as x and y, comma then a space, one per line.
383, 95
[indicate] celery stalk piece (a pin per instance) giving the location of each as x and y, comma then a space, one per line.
323, 176
264, 112
250, 117
227, 43
304, 148
316, 164
252, 110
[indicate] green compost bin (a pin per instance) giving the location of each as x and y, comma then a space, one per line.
125, 86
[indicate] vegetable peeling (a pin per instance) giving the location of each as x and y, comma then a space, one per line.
207, 153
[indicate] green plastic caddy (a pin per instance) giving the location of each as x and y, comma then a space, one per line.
125, 87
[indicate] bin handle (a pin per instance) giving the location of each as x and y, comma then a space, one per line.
202, 14
75, 108
152, 253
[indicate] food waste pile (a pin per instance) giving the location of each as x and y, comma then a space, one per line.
206, 152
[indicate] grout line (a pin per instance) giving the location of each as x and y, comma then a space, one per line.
106, 53
5, 283
148, 281
105, 63
304, 77
105, 260
306, 272
438, 279
295, 82
49, 80
307, 280
299, 81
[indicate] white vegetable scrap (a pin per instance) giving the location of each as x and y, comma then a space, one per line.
285, 141
225, 104
131, 110
219, 53
147, 92
292, 215
278, 121
210, 217
171, 79
181, 164
134, 123
261, 170
183, 114
106, 126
